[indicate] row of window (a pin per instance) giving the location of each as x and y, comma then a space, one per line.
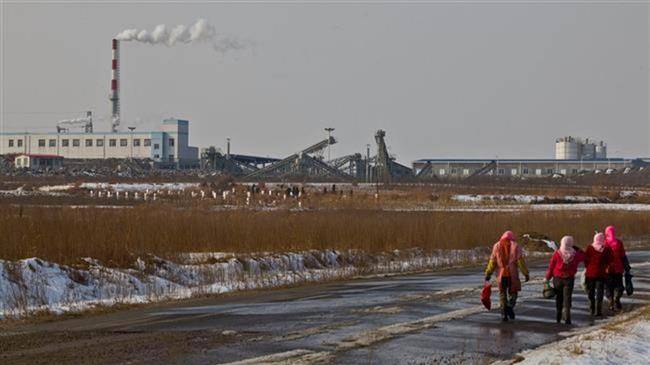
19, 143
89, 142
539, 172
501, 171
98, 142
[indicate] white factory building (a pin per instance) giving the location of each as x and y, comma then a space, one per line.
169, 145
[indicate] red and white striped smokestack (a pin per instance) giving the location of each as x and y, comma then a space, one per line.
115, 86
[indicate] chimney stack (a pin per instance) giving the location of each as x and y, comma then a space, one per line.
115, 86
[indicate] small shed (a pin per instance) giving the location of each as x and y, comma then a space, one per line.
37, 161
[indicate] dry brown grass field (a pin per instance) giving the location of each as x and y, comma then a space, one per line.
115, 236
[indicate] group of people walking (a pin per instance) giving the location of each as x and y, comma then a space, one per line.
604, 259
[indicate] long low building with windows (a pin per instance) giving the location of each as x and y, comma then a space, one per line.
170, 145
463, 168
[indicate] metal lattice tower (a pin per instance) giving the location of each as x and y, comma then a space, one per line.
383, 160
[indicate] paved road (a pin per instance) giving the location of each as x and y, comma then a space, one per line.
416, 319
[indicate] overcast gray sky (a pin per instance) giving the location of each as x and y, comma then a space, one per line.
443, 79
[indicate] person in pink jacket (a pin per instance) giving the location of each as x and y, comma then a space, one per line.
563, 268
507, 256
617, 265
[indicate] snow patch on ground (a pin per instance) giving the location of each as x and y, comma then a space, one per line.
49, 188
138, 187
32, 285
623, 344
592, 206
633, 193
526, 199
531, 207
476, 198
299, 356
20, 191
15, 192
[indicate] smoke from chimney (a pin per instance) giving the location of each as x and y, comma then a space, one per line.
199, 32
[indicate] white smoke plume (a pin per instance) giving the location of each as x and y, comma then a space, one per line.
200, 31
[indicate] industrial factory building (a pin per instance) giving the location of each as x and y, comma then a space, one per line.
572, 156
169, 146
462, 168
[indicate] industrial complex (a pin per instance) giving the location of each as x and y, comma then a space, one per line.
168, 147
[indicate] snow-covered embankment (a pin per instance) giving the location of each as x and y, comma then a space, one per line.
33, 285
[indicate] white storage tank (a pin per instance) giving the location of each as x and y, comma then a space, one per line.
601, 151
588, 150
567, 148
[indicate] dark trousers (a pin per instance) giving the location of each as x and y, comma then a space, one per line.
595, 292
563, 293
615, 288
506, 298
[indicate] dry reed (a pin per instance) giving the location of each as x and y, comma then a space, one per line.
114, 235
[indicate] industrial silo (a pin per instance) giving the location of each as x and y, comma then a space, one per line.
588, 150
567, 148
601, 151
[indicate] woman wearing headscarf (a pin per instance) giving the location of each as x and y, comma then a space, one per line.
617, 265
508, 257
597, 256
563, 268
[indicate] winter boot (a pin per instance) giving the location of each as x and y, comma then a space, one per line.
619, 306
592, 308
567, 316
511, 312
599, 309
558, 317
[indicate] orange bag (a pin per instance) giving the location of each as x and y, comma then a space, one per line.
485, 295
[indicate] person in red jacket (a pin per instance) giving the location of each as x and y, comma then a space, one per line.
597, 256
617, 265
562, 268
508, 258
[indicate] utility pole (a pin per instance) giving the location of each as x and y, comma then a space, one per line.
581, 164
131, 129
368, 162
329, 131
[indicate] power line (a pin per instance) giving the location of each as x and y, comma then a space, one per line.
45, 112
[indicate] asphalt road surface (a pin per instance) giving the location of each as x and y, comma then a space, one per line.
432, 318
